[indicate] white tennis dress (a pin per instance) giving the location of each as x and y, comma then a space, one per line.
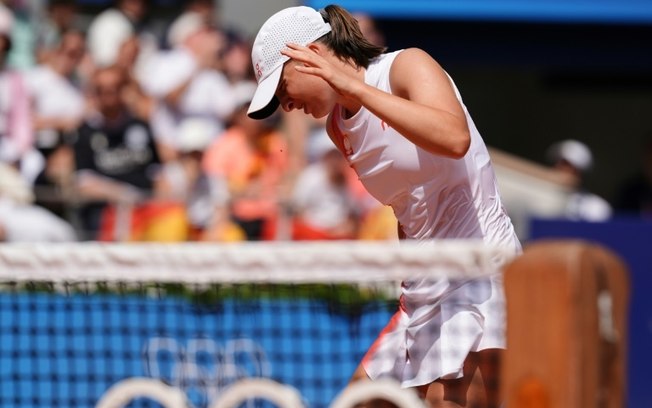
433, 197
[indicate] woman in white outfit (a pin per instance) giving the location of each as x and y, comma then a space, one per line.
401, 124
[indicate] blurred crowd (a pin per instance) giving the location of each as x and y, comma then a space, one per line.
110, 131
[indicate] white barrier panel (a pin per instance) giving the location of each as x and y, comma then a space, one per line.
127, 390
384, 389
282, 395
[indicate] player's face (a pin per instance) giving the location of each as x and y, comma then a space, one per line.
305, 92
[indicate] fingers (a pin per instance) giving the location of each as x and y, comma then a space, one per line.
295, 46
298, 52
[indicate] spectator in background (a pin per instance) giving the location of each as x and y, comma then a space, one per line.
20, 219
322, 200
58, 105
369, 29
111, 28
634, 196
54, 186
205, 199
60, 17
575, 158
236, 59
115, 153
185, 81
138, 102
57, 98
252, 157
16, 137
204, 9
25, 20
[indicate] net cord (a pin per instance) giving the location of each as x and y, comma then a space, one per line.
276, 262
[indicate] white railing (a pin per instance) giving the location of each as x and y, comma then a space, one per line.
283, 396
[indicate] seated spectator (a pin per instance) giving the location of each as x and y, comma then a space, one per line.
370, 29
235, 59
185, 81
251, 155
16, 136
115, 153
138, 102
58, 101
575, 158
322, 200
204, 9
54, 186
109, 29
205, 199
20, 219
59, 18
634, 196
378, 224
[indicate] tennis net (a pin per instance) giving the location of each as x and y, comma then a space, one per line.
77, 319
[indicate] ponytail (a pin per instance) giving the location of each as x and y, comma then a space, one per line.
346, 40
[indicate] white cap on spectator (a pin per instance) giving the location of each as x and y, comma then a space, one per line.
184, 26
195, 134
576, 153
106, 35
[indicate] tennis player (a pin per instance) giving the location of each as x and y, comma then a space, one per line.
400, 122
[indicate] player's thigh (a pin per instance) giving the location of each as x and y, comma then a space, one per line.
467, 390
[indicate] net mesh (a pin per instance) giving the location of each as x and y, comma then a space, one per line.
77, 319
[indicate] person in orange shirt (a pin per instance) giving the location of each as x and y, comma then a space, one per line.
253, 157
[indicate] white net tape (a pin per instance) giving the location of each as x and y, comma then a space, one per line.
285, 262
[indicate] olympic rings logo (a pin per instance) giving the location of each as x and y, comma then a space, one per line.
202, 368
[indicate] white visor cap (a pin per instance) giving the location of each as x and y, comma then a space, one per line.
300, 25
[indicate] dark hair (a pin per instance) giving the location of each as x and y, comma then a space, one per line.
346, 40
5, 43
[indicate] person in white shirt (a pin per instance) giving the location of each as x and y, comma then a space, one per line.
322, 199
575, 158
111, 27
185, 82
57, 98
401, 124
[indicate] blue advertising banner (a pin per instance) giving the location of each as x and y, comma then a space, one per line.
592, 11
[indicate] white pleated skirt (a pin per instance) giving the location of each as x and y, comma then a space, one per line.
437, 325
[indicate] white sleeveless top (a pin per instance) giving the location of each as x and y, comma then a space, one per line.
432, 196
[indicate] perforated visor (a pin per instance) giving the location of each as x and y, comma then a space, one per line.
264, 103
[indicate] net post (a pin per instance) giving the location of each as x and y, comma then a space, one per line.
567, 304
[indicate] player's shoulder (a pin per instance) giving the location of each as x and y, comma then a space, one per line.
413, 55
412, 65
